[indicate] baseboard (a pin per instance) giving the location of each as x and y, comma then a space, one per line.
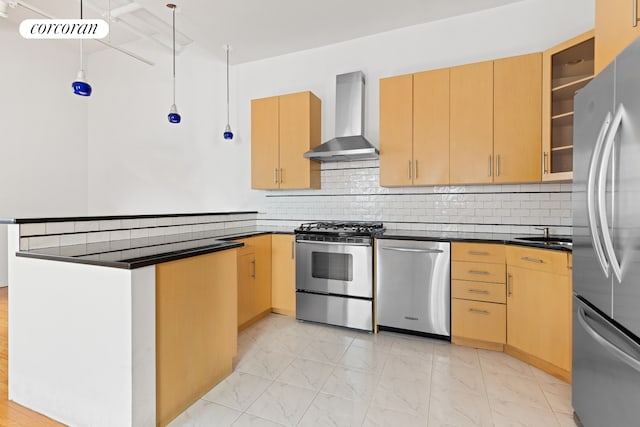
284, 312
543, 365
469, 342
253, 320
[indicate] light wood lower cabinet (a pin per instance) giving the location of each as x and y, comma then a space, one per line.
283, 275
539, 308
254, 280
478, 312
535, 323
196, 329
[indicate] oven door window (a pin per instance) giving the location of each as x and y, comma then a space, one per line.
332, 266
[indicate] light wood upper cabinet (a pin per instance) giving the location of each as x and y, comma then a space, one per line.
265, 141
283, 128
431, 127
566, 67
517, 119
471, 124
616, 27
414, 129
396, 130
283, 278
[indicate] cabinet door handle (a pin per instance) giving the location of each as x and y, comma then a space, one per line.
409, 170
415, 172
545, 158
254, 269
293, 252
275, 175
509, 293
482, 273
476, 311
489, 166
635, 13
536, 260
478, 291
497, 164
478, 253
281, 176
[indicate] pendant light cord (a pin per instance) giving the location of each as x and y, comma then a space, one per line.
81, 53
227, 84
174, 54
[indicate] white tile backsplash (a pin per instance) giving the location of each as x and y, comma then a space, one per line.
32, 229
86, 226
100, 236
112, 224
351, 191
73, 239
44, 242
59, 227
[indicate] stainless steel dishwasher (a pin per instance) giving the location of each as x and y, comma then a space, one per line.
413, 286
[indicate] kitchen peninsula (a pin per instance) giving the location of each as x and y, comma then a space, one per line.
135, 326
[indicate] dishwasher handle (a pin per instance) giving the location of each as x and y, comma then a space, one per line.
418, 251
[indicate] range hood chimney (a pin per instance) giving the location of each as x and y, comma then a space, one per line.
349, 143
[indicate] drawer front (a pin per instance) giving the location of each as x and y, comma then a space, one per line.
248, 248
478, 252
479, 291
478, 272
484, 321
539, 259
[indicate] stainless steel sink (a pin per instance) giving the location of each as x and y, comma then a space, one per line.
551, 240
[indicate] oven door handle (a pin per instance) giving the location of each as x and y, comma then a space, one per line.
314, 242
419, 251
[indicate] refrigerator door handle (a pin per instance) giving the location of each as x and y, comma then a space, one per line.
608, 345
602, 200
591, 196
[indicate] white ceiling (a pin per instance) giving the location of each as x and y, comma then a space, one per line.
258, 29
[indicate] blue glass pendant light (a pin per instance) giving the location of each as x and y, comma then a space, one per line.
228, 135
80, 85
174, 116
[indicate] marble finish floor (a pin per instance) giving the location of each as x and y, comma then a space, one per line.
289, 373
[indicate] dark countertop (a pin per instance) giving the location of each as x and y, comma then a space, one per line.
105, 218
136, 253
454, 236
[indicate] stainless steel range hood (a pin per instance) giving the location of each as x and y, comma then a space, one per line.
349, 143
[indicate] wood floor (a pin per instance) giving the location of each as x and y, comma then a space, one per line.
12, 414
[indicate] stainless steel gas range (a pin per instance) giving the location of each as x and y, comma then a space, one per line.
334, 273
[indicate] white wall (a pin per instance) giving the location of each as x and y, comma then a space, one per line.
43, 132
140, 163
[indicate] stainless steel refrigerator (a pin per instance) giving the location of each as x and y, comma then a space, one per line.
606, 246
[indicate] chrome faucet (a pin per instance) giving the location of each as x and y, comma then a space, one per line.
544, 230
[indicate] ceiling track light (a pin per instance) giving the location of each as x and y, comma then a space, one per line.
4, 6
81, 86
228, 134
174, 116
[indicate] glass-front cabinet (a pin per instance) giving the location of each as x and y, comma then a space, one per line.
566, 69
